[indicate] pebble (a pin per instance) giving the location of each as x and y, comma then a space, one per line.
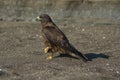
83, 29
40, 36
103, 37
117, 72
37, 35
107, 64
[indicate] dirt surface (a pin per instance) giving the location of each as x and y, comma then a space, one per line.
22, 56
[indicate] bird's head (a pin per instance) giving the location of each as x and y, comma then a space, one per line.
44, 18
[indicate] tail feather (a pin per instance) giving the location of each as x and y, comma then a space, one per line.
82, 56
79, 54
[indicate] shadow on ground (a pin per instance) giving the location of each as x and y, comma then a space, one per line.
92, 56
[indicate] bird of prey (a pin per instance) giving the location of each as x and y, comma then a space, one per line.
55, 40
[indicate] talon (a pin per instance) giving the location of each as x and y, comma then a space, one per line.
47, 49
49, 58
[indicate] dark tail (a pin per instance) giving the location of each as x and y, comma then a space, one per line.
84, 58
79, 54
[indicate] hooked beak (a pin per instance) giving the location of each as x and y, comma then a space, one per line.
38, 19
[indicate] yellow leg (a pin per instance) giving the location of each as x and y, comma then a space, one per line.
46, 49
50, 57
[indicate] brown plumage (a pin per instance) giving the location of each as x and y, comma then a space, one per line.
55, 40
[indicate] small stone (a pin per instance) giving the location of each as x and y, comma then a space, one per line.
111, 69
117, 72
37, 35
104, 37
39, 78
69, 30
83, 29
40, 36
107, 64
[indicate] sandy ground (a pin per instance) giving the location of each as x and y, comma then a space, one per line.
22, 56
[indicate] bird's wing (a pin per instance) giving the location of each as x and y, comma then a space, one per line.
56, 37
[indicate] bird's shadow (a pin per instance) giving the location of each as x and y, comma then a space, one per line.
90, 56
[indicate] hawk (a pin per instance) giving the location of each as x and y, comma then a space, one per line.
55, 40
